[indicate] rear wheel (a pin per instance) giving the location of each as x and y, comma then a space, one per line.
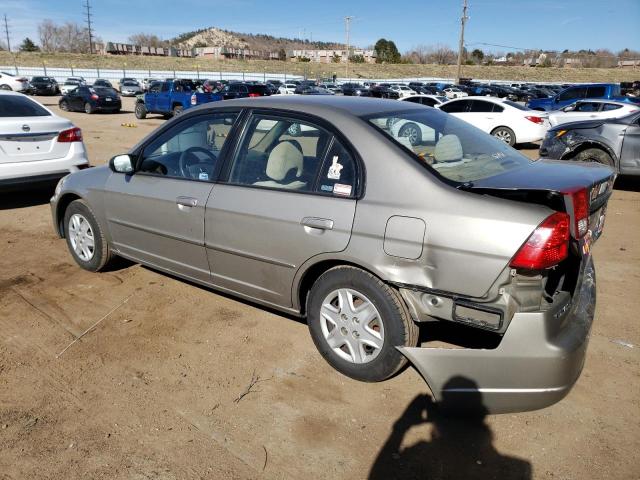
412, 132
595, 155
84, 236
88, 108
141, 111
356, 321
64, 106
505, 134
5, 87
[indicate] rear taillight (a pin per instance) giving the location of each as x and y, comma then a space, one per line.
547, 246
94, 97
194, 99
534, 119
580, 204
71, 135
254, 95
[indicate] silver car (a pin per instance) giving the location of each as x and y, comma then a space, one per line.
366, 235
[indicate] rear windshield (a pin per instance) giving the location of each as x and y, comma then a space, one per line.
450, 146
18, 106
519, 106
257, 89
104, 91
41, 79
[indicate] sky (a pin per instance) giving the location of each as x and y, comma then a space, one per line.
524, 24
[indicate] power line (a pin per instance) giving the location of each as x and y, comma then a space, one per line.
463, 20
6, 31
87, 7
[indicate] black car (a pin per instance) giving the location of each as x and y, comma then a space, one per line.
244, 90
383, 90
90, 100
614, 142
44, 86
307, 89
355, 90
101, 82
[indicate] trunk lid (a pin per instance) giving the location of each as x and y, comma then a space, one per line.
26, 139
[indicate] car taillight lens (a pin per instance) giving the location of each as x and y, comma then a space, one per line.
194, 99
547, 246
534, 119
71, 135
94, 97
580, 201
254, 95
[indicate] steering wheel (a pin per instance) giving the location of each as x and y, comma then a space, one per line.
184, 163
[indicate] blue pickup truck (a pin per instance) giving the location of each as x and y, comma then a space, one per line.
608, 91
171, 98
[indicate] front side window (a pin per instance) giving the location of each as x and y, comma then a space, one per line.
587, 107
480, 106
453, 148
573, 93
459, 106
280, 152
189, 150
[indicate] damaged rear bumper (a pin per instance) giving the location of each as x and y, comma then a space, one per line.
536, 364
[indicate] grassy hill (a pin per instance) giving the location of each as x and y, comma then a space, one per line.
314, 70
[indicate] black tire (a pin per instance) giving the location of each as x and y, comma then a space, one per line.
88, 108
102, 254
177, 110
399, 328
64, 106
595, 155
412, 131
141, 111
505, 134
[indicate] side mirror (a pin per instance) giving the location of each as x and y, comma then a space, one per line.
121, 164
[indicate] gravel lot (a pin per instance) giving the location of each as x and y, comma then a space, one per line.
162, 387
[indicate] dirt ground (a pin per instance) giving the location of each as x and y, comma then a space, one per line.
162, 387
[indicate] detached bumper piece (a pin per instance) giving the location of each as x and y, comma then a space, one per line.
536, 364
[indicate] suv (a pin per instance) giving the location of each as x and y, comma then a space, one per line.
244, 90
609, 91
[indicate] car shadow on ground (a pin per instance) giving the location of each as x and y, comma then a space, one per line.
460, 445
26, 197
627, 183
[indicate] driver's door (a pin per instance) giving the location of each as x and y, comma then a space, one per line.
156, 214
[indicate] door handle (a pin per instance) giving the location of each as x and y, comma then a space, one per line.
187, 201
319, 223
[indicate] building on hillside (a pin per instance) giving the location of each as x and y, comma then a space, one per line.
629, 63
572, 62
113, 48
222, 53
330, 56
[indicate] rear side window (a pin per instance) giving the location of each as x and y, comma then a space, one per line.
595, 92
610, 106
338, 174
587, 107
455, 107
479, 106
19, 106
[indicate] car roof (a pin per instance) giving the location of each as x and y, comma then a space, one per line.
9, 92
323, 106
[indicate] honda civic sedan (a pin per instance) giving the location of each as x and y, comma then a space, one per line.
365, 235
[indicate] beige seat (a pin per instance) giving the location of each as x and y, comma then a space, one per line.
448, 149
283, 158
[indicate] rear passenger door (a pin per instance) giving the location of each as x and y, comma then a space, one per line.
288, 194
481, 115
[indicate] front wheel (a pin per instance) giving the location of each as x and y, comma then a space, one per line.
356, 321
141, 111
505, 134
85, 239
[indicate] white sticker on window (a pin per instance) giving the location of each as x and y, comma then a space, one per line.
342, 189
203, 176
334, 169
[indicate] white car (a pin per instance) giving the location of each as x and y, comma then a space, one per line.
287, 89
509, 121
11, 82
453, 92
591, 110
403, 90
35, 144
70, 84
423, 99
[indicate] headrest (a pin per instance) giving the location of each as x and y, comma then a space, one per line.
448, 149
284, 157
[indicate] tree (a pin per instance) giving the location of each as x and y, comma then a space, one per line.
477, 55
442, 55
282, 54
386, 51
356, 59
68, 37
336, 58
147, 40
28, 46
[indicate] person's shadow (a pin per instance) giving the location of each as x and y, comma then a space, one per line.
461, 444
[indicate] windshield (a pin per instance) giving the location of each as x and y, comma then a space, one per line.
40, 79
72, 82
130, 84
19, 106
452, 147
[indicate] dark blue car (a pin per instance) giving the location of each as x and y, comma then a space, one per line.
91, 99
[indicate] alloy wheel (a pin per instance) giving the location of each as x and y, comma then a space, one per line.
81, 237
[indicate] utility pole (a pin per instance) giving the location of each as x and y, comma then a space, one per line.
6, 31
87, 7
347, 21
463, 20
